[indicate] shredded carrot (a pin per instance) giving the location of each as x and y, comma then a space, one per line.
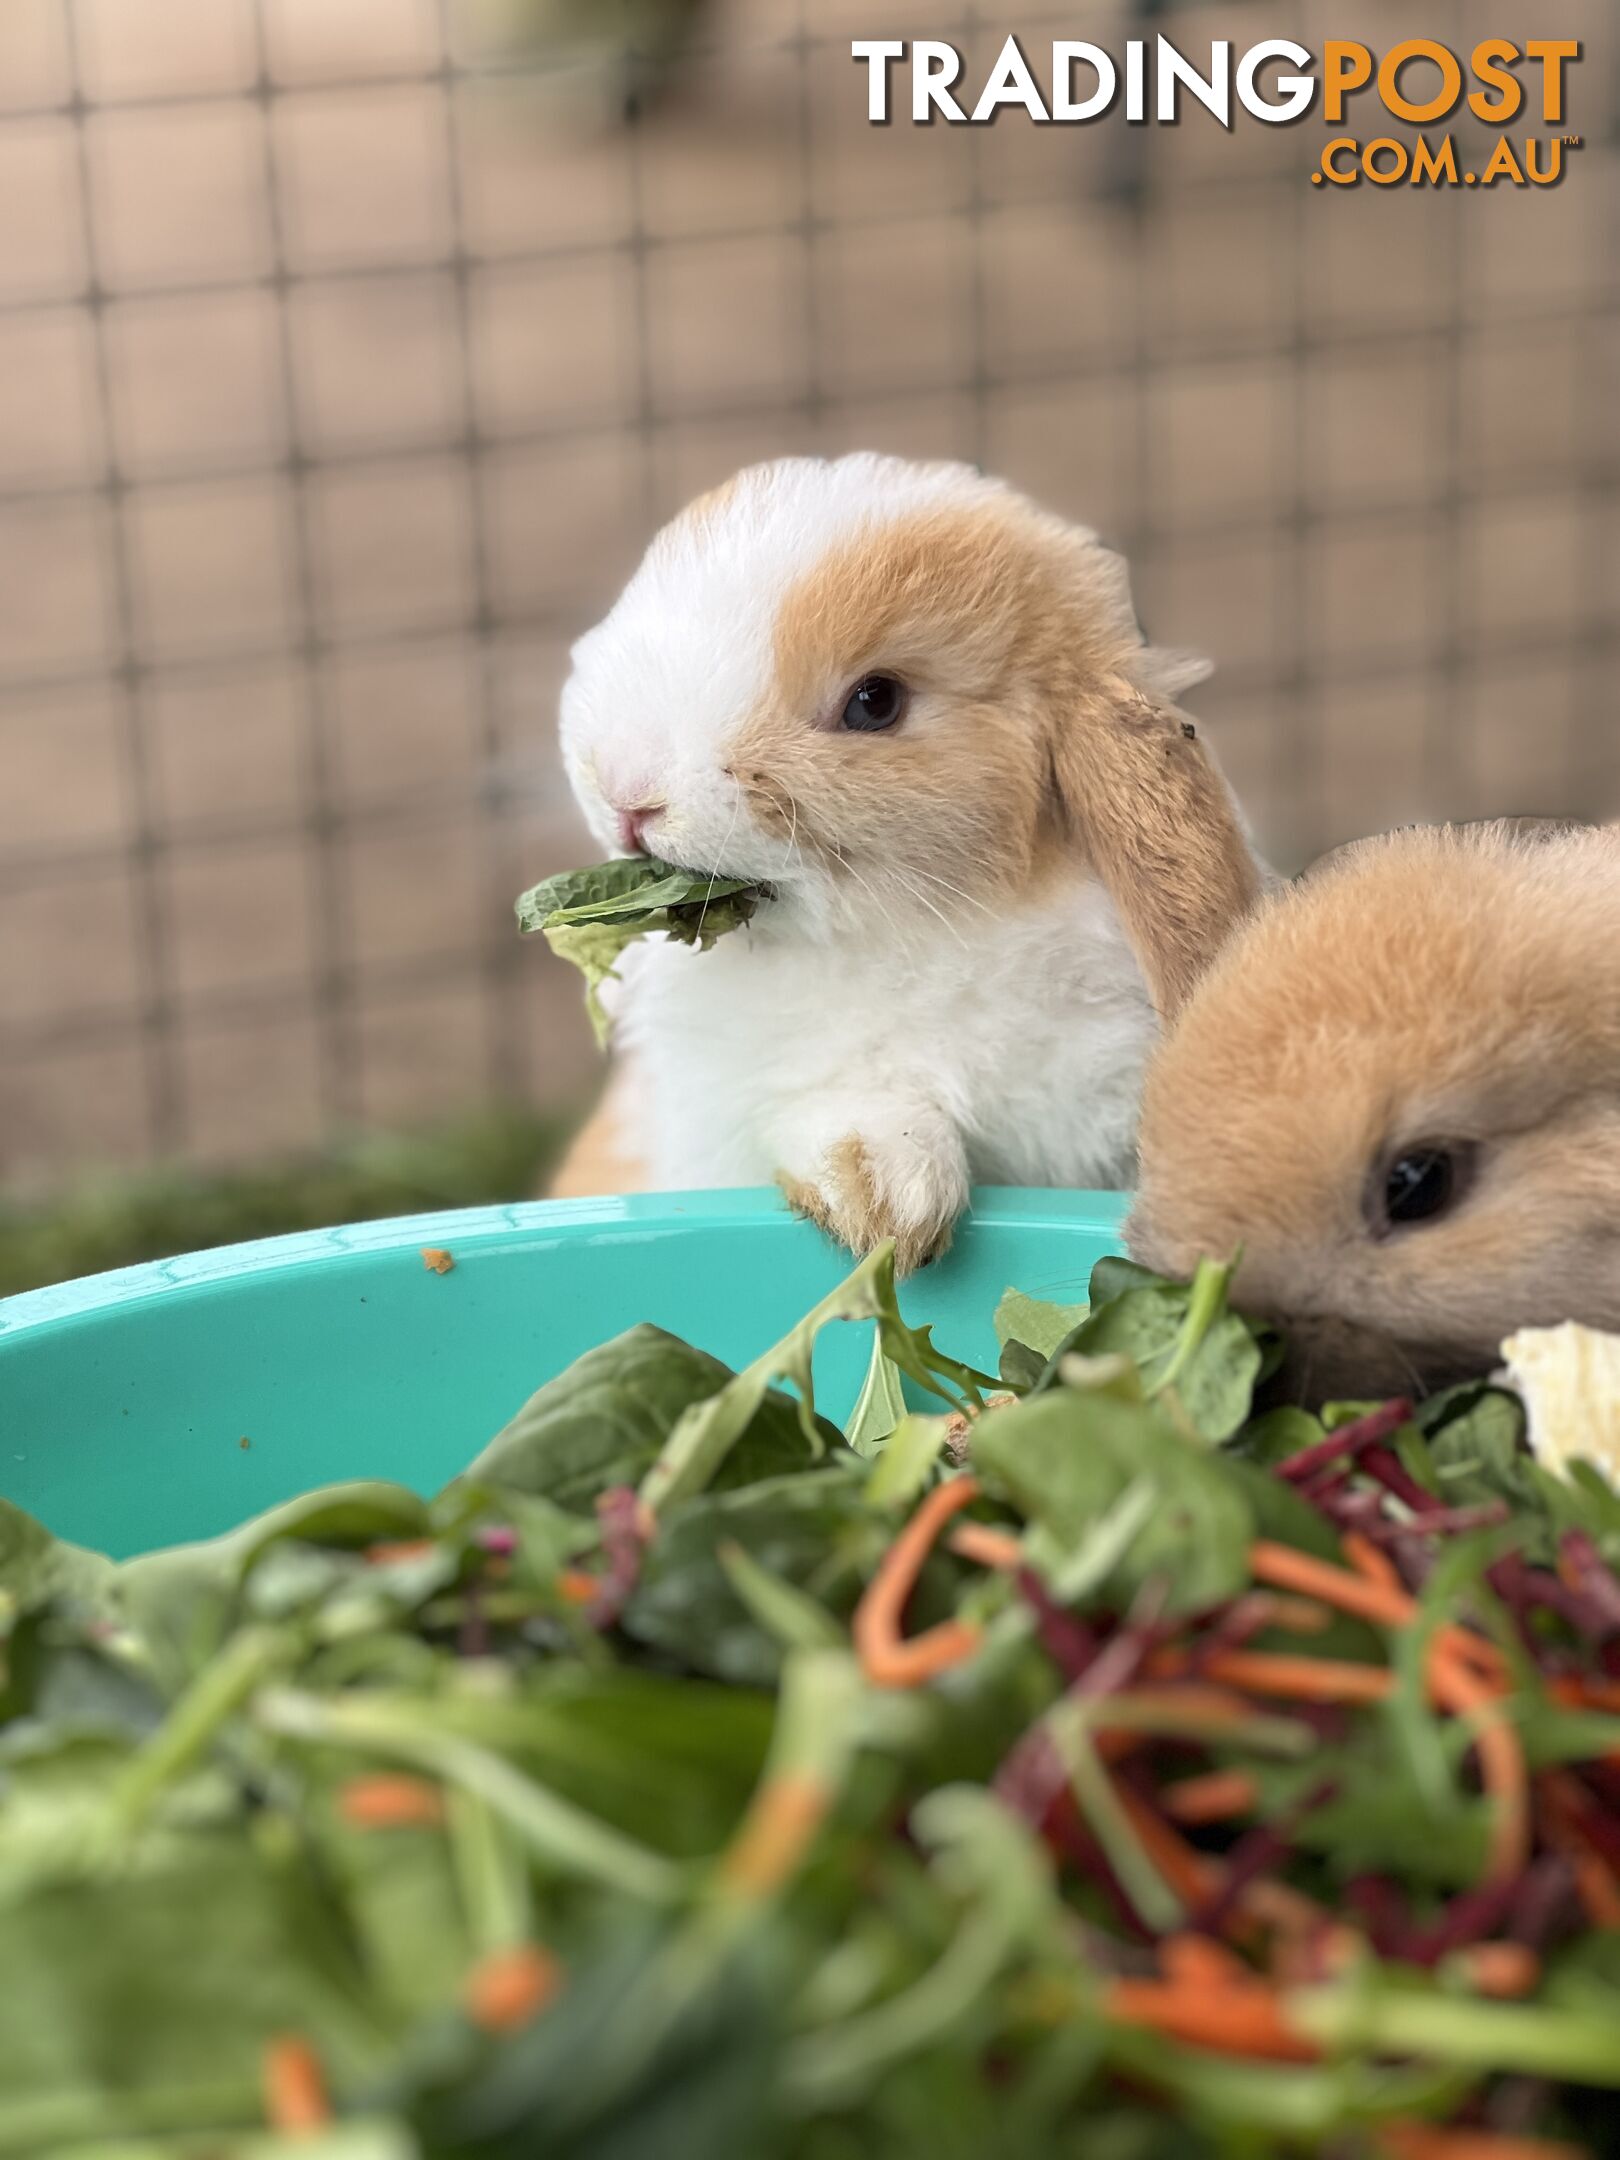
1200, 1961
887, 1659
990, 1547
437, 1260
1288, 1569
1433, 2141
508, 1988
1480, 1656
390, 1800
1367, 1559
1189, 1874
1595, 1880
294, 2086
1169, 1689
1301, 1679
1247, 2020
1297, 1615
1215, 1797
785, 1815
1304, 1940
1200, 1705
1578, 1691
1280, 1905
1457, 1687
577, 1586
1507, 1969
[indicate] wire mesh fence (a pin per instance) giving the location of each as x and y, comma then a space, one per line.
351, 349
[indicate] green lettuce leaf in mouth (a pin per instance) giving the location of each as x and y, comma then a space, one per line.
588, 917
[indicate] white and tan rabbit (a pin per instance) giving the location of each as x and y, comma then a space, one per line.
922, 710
1398, 1089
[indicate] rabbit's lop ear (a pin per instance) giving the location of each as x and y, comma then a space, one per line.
1158, 824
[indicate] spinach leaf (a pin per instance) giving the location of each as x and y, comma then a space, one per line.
183, 1600
817, 1534
1035, 1322
880, 1406
708, 1431
588, 917
37, 1568
1064, 1458
131, 2000
1475, 1446
1180, 1336
605, 1421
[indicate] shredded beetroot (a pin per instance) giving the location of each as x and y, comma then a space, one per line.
472, 1637
1347, 1443
1068, 1837
1586, 1571
1382, 1910
1384, 1465
1261, 1851
1068, 1642
1524, 1589
1032, 1775
1596, 1824
1538, 1886
627, 1531
1545, 1906
1468, 1918
1440, 1522
1326, 1492
1243, 1619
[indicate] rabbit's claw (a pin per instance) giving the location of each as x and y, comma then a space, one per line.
863, 1195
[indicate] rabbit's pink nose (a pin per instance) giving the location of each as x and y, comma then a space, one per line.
633, 825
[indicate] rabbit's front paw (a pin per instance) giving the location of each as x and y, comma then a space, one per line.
864, 1192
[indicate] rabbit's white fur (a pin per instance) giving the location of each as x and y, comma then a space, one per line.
952, 982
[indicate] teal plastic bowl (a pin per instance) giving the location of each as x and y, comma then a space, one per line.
168, 1402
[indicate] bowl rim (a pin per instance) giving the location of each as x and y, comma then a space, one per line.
513, 1225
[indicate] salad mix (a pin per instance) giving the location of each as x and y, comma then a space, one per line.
1082, 1758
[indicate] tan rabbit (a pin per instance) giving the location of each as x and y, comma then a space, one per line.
1398, 1090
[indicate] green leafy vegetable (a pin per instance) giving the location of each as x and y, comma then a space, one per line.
589, 917
1030, 1331
607, 1420
1047, 1774
1064, 1458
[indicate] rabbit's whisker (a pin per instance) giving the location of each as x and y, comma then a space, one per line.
916, 892
864, 883
792, 813
714, 875
956, 891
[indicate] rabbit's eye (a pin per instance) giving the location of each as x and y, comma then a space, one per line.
875, 703
1422, 1184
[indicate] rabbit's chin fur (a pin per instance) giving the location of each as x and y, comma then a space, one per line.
977, 915
1451, 987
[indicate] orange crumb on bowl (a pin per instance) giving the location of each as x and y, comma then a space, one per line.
436, 1258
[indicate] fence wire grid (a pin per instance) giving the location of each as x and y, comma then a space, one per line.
350, 351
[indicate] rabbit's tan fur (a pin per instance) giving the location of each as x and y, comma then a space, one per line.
1434, 985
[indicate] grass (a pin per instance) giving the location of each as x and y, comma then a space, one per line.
113, 1221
